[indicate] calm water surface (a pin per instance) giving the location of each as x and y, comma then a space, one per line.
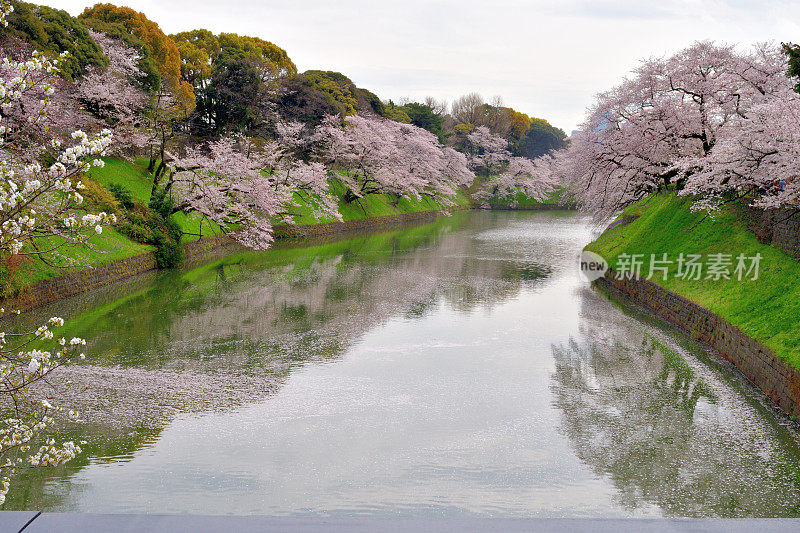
456, 368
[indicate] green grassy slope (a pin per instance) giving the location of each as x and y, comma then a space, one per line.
107, 247
767, 309
133, 175
555, 197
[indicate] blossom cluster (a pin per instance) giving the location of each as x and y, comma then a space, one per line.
34, 201
715, 122
25, 360
508, 175
382, 156
40, 211
30, 82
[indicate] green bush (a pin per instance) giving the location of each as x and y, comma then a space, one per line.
122, 194
168, 250
161, 203
173, 229
169, 254
99, 196
151, 225
135, 232
166, 231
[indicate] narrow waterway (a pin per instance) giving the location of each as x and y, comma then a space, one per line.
453, 369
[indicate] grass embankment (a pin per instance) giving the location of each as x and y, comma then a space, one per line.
766, 309
521, 200
133, 176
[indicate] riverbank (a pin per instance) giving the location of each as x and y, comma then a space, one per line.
132, 176
754, 323
532, 207
558, 199
115, 256
195, 254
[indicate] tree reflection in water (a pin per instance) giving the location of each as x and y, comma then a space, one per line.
231, 332
665, 429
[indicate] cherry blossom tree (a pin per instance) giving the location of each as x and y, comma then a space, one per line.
759, 160
289, 169
532, 178
40, 212
115, 93
757, 157
225, 183
488, 152
31, 115
661, 127
246, 187
504, 174
379, 156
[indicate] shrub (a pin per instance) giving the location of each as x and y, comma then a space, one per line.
99, 196
135, 232
166, 232
168, 254
161, 203
122, 194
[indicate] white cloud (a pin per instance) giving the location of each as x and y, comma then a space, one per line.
545, 57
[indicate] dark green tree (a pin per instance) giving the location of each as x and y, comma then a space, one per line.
237, 94
792, 52
55, 31
338, 87
540, 139
423, 116
367, 100
396, 113
296, 99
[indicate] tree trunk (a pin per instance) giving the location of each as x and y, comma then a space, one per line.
349, 196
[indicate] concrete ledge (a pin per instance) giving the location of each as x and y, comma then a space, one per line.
16, 520
779, 381
87, 523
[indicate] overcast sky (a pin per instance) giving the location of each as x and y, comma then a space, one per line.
546, 58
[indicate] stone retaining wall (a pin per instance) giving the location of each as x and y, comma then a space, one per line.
289, 231
535, 207
778, 227
195, 253
71, 283
774, 377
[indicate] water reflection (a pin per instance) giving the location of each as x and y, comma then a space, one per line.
299, 304
667, 429
232, 331
455, 368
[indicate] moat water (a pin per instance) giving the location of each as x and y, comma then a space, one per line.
459, 368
